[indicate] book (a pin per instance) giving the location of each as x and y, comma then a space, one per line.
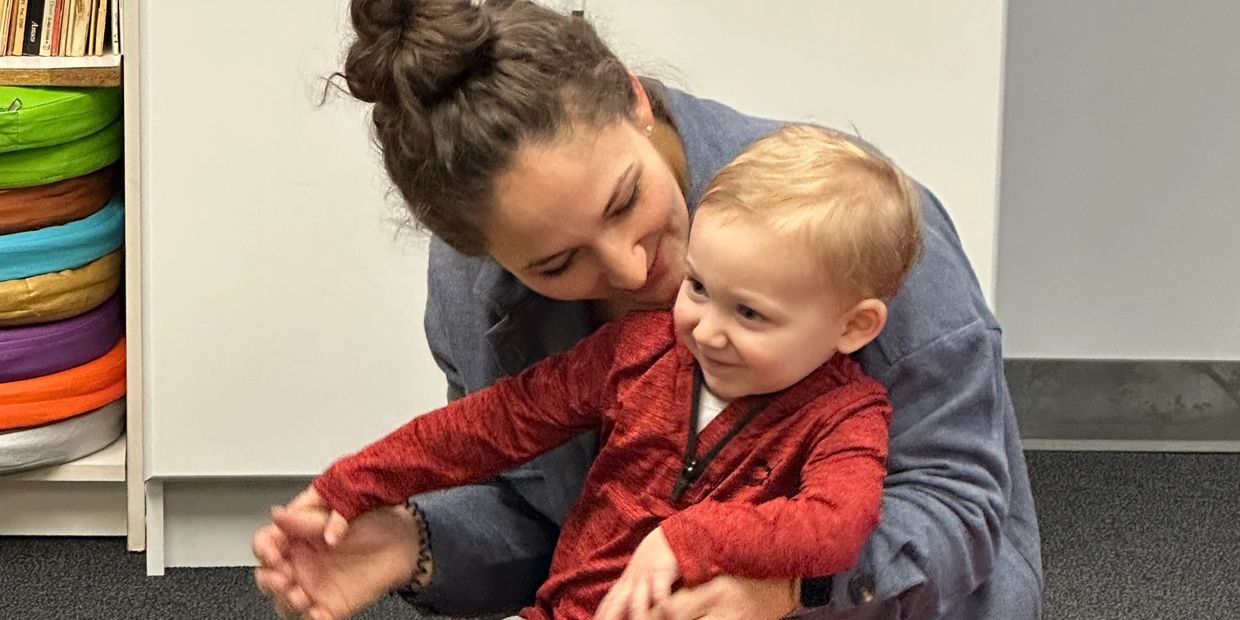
31, 27
8, 13
81, 25
45, 30
101, 19
56, 29
60, 27
17, 27
88, 37
114, 22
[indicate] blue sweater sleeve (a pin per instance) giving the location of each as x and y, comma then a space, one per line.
954, 452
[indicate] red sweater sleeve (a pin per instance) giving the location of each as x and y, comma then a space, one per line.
819, 531
482, 434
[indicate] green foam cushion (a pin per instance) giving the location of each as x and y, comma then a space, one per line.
62, 161
36, 117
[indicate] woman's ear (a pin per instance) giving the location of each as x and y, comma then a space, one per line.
643, 113
862, 323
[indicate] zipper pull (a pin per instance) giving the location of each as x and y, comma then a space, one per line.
687, 476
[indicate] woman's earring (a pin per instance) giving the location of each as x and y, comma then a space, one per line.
649, 130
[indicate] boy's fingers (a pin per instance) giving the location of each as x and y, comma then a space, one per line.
269, 544
269, 582
639, 601
615, 600
661, 586
304, 524
337, 527
298, 600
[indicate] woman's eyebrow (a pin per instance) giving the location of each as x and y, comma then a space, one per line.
621, 183
611, 203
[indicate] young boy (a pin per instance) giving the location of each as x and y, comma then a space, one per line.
737, 435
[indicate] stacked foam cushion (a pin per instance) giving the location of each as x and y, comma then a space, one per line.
62, 346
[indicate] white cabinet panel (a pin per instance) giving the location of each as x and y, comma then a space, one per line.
284, 305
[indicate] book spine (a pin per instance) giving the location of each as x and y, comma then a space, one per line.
114, 18
31, 26
16, 28
88, 39
45, 29
7, 11
15, 19
101, 18
57, 27
80, 22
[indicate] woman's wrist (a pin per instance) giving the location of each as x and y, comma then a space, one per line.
420, 549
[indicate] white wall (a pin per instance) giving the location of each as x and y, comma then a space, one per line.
921, 80
1118, 229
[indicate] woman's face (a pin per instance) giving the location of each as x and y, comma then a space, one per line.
596, 215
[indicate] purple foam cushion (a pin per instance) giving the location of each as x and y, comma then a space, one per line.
47, 348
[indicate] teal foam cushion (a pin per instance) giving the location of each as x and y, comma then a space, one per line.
50, 164
36, 117
67, 246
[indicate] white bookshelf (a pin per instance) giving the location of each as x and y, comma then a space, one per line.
102, 494
106, 465
61, 70
59, 62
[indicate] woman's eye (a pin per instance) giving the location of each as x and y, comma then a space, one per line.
551, 273
749, 314
632, 201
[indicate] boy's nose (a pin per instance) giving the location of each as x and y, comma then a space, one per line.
708, 334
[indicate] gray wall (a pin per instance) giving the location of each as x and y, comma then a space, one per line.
1119, 232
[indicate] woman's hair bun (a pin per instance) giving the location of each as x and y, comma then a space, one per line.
420, 51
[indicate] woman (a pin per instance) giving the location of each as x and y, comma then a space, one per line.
559, 188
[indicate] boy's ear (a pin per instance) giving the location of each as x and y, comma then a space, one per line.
862, 323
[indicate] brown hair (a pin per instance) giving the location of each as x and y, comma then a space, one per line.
458, 88
858, 211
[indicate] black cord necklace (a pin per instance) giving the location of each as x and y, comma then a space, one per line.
693, 466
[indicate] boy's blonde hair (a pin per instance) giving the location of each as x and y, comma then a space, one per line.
856, 209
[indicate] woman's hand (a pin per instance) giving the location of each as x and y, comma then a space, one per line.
307, 578
646, 581
732, 598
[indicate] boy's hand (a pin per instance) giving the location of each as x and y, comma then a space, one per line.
646, 581
307, 578
303, 518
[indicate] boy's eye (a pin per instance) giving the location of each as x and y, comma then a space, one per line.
696, 287
749, 314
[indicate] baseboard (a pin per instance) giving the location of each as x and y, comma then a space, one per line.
33, 508
1127, 405
1129, 445
212, 522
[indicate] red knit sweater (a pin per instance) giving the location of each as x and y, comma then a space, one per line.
795, 493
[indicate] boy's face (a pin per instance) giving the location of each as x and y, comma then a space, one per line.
754, 309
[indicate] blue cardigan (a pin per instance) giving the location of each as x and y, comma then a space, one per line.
958, 539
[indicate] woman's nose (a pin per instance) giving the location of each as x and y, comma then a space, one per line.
625, 265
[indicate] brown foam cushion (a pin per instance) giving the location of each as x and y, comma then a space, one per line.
40, 206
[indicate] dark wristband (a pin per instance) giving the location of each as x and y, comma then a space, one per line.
421, 571
816, 591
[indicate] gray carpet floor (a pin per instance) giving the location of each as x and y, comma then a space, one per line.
1125, 536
